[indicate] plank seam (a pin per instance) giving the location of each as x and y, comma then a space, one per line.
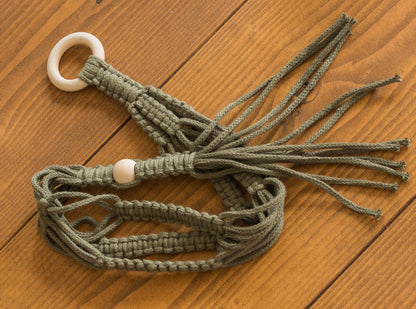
359, 254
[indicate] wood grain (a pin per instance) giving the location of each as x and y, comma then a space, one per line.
41, 125
384, 275
320, 238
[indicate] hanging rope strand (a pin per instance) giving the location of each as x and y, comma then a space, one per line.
272, 82
319, 65
357, 93
252, 130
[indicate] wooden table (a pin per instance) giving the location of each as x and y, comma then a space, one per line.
208, 53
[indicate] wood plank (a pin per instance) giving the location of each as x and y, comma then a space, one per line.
41, 125
320, 238
384, 275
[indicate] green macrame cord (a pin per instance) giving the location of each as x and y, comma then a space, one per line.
192, 144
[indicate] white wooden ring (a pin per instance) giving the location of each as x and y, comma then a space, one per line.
77, 38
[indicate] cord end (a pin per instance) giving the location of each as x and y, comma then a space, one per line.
397, 78
394, 187
405, 142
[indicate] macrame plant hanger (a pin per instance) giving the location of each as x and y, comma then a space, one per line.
192, 144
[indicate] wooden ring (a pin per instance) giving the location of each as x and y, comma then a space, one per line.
77, 38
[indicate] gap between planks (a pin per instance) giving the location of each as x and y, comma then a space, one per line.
365, 248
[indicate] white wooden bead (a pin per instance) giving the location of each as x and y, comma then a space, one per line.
123, 171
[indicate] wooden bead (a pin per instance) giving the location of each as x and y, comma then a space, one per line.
123, 171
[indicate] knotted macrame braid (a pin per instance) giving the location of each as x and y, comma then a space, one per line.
192, 144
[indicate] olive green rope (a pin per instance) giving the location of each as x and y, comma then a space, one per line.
318, 63
247, 178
